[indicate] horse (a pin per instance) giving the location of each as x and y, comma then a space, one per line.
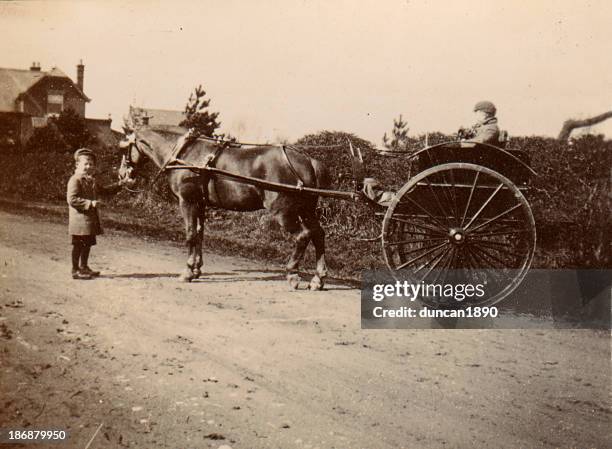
296, 213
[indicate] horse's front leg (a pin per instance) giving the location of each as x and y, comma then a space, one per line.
190, 215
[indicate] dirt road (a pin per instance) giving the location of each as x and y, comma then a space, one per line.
236, 360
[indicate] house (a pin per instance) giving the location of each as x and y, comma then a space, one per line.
29, 97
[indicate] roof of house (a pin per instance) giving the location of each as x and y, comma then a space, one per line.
14, 82
160, 116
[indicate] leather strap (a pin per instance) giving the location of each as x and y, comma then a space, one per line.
300, 181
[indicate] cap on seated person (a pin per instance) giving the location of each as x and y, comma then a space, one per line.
485, 106
83, 152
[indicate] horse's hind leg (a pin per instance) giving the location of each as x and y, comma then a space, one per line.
318, 239
197, 268
189, 211
290, 222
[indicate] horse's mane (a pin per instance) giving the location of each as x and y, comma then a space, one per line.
171, 132
168, 131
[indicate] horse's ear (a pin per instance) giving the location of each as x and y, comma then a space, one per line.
128, 125
128, 140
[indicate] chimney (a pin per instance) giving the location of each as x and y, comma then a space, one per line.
80, 74
35, 67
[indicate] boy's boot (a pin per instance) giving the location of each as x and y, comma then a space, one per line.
78, 274
84, 263
88, 271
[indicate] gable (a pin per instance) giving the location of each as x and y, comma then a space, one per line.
15, 83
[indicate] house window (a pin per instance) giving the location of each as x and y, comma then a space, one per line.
55, 102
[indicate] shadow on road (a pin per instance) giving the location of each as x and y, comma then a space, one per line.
234, 276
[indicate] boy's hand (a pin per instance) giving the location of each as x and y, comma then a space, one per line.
96, 203
127, 182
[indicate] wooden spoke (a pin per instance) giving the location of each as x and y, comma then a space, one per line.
486, 203
426, 212
405, 264
475, 266
405, 242
420, 225
426, 264
435, 195
454, 195
467, 206
438, 259
502, 250
447, 266
492, 234
421, 248
488, 255
497, 217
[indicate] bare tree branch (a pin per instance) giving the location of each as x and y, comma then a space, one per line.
571, 124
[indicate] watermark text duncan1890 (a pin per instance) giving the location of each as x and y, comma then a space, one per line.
425, 312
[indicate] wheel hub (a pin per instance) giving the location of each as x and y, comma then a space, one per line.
457, 236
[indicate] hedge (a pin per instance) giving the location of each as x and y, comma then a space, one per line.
570, 198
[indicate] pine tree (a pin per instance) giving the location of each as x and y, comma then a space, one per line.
399, 136
197, 116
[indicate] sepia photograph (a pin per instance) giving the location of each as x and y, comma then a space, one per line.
305, 224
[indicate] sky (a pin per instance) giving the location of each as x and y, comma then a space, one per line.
280, 69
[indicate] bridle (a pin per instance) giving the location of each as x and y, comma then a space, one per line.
127, 161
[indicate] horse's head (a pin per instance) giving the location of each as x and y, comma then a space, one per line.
131, 156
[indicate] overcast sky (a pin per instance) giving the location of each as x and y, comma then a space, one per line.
284, 68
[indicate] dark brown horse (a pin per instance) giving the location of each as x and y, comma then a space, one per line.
294, 212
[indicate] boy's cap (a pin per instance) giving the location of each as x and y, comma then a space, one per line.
485, 106
83, 152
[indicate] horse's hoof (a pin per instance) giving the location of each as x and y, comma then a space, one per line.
196, 273
316, 283
294, 281
186, 276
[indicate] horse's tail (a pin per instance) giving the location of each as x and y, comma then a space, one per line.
322, 175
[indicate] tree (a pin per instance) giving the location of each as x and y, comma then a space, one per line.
399, 136
571, 124
66, 132
74, 130
197, 116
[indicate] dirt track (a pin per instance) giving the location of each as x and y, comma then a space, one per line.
237, 360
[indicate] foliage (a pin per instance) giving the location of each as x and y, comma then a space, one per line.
197, 116
399, 140
66, 132
571, 199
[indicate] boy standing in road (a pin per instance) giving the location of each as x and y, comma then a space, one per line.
83, 220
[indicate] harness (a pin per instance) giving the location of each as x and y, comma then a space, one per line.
191, 137
300, 181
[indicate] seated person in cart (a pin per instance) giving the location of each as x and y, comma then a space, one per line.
484, 131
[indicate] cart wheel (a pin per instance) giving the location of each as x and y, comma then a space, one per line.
460, 223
